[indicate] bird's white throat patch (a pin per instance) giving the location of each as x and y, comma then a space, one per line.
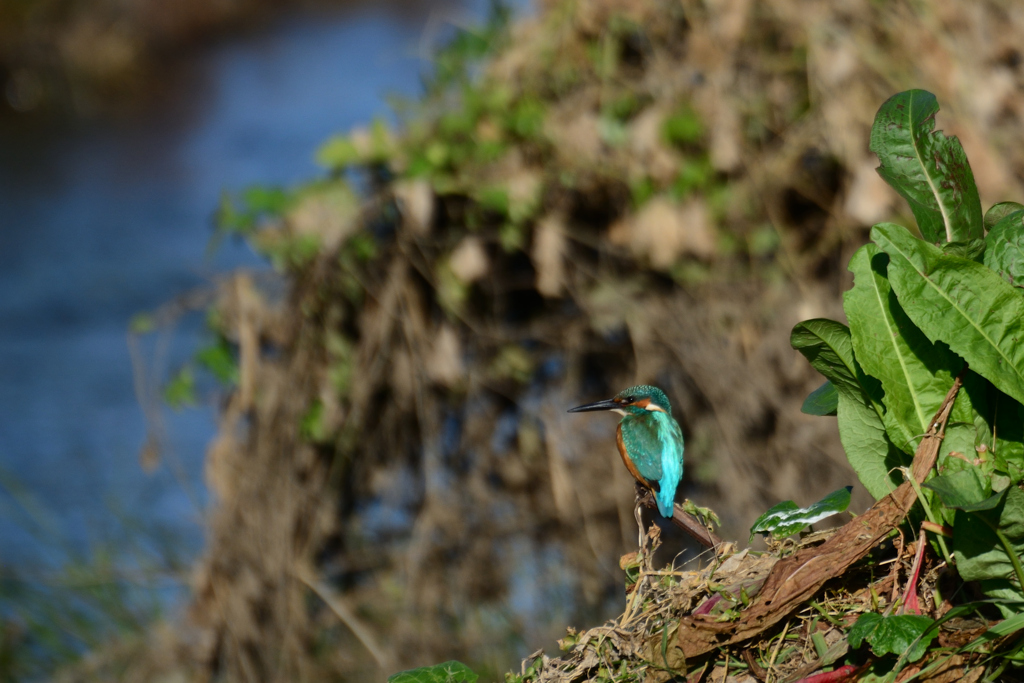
654, 408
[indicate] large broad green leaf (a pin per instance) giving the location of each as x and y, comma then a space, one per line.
874, 458
822, 401
998, 430
966, 490
983, 437
827, 345
966, 428
915, 373
980, 553
971, 249
998, 212
988, 530
960, 302
786, 518
928, 169
447, 672
1006, 595
1004, 249
1007, 422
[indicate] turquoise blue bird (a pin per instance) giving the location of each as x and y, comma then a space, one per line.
650, 440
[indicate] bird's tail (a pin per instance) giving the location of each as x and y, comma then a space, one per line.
666, 497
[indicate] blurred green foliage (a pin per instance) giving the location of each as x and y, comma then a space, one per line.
446, 672
79, 600
684, 127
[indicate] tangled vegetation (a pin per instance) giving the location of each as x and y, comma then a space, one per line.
606, 193
929, 365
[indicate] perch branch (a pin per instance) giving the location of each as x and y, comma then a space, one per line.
682, 519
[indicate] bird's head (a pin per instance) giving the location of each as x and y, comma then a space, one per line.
638, 400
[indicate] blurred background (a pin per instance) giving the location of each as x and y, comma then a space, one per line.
296, 296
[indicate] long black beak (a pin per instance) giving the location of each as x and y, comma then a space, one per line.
608, 404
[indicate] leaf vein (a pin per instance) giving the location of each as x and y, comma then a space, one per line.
893, 336
963, 313
924, 169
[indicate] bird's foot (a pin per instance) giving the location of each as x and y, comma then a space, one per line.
642, 533
706, 515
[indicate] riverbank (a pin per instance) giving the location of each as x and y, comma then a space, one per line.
108, 216
605, 194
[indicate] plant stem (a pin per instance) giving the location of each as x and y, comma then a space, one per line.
931, 518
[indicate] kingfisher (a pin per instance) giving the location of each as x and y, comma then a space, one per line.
649, 440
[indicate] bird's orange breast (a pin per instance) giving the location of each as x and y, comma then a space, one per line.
627, 461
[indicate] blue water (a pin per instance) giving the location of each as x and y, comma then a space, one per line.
100, 220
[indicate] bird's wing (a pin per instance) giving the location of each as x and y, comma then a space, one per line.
671, 437
644, 445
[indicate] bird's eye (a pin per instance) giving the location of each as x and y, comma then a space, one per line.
628, 399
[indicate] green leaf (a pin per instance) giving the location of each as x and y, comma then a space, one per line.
381, 142
311, 426
230, 219
904, 633
967, 427
973, 250
1000, 211
786, 519
288, 252
915, 373
997, 431
142, 323
1007, 424
965, 490
980, 553
694, 174
1004, 252
985, 425
864, 626
1005, 594
493, 198
928, 169
822, 401
871, 453
181, 390
827, 345
526, 118
338, 153
960, 302
447, 672
684, 127
766, 522
612, 131
219, 360
899, 634
362, 246
260, 200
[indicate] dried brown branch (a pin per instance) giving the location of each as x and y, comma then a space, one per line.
682, 519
